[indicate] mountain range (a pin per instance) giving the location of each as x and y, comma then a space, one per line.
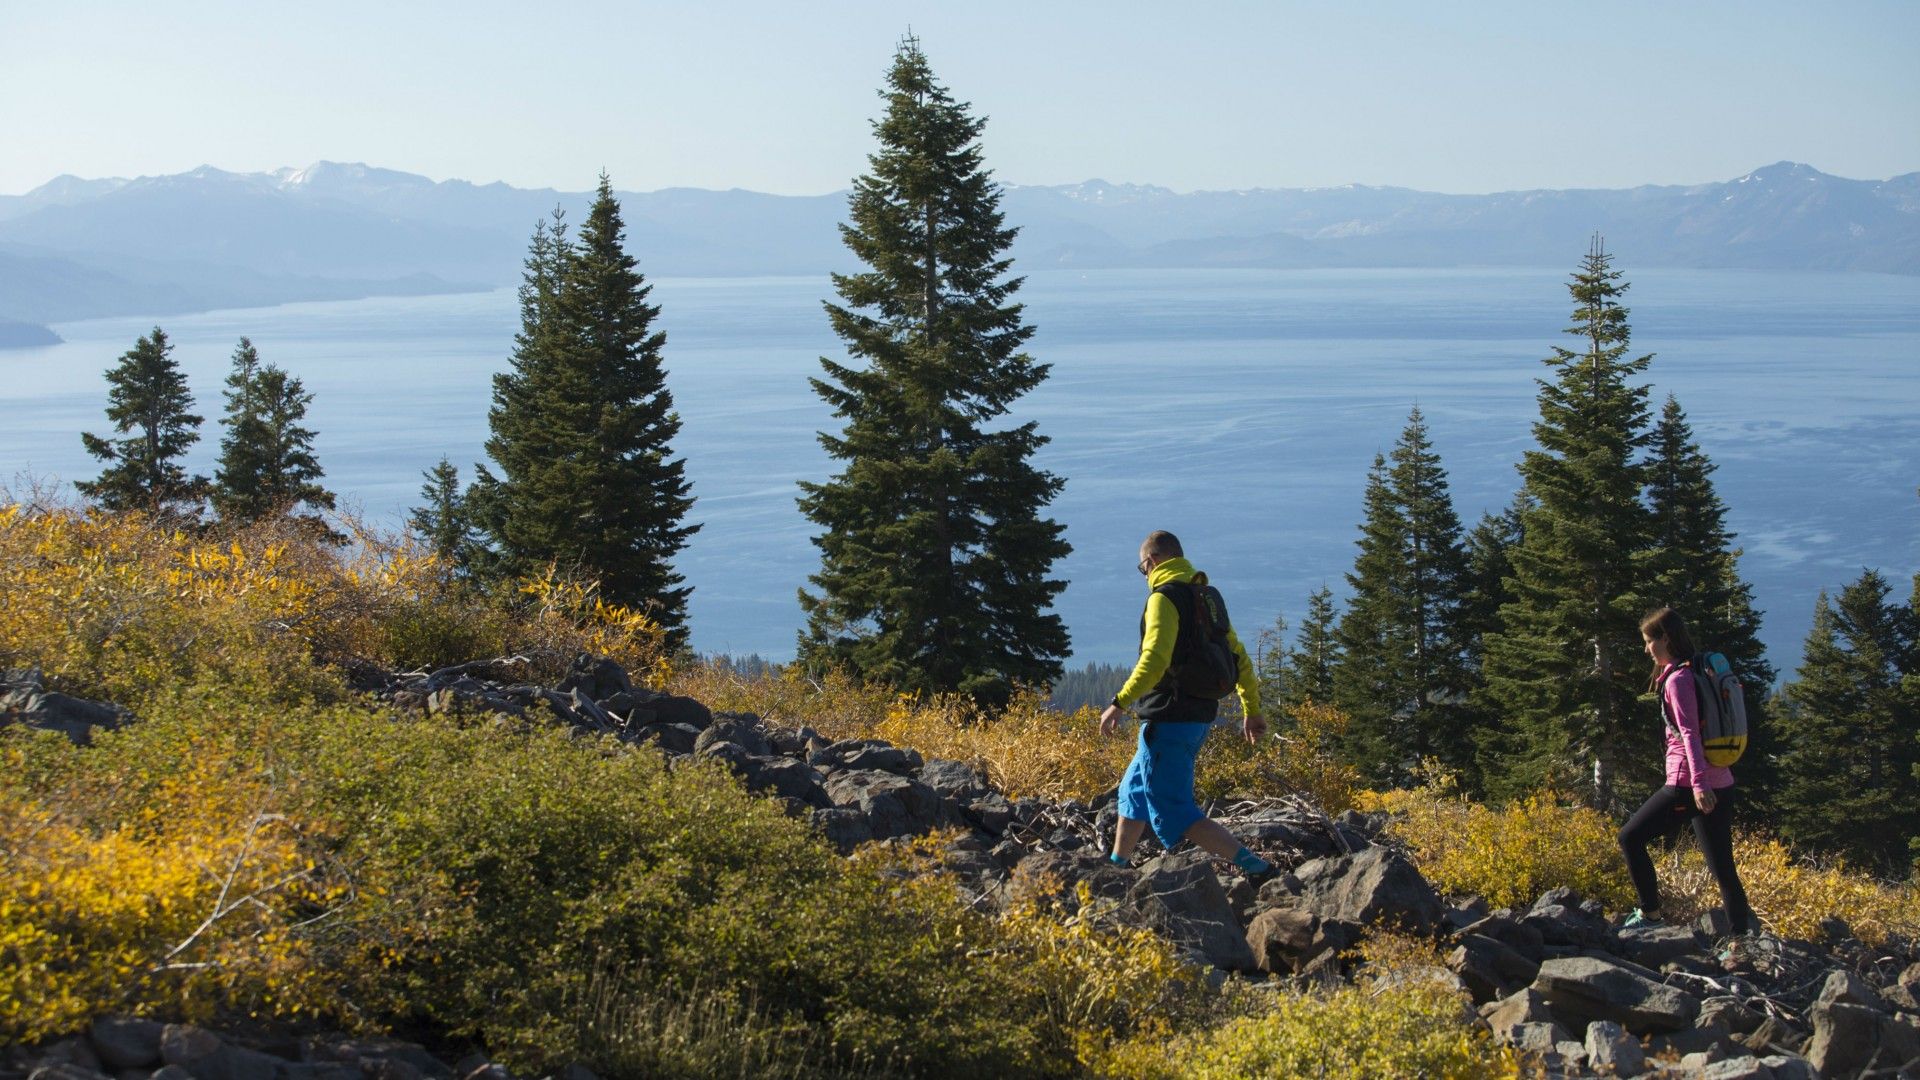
77, 248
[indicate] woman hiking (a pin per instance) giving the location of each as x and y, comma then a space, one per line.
1695, 790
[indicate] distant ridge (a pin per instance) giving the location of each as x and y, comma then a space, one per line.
79, 248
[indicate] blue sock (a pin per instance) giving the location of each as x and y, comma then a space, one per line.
1117, 859
1251, 863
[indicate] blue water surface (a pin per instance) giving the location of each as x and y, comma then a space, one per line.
1241, 409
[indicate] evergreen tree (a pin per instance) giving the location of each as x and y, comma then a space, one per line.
1489, 565
1273, 665
583, 426
147, 400
934, 553
1566, 672
267, 465
1694, 560
444, 521
1373, 637
1850, 761
1315, 655
1404, 675
1695, 571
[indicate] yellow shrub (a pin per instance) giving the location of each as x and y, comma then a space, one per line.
192, 905
1509, 855
569, 616
1790, 894
1395, 1023
1296, 759
117, 606
1098, 978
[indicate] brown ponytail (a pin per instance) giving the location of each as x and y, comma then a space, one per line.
1665, 625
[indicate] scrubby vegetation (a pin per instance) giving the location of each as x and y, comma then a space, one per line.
265, 842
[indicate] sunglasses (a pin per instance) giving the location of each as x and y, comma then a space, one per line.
1144, 566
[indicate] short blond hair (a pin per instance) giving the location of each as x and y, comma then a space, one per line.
1162, 543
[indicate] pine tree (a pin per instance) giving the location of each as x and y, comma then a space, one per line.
1850, 761
583, 426
445, 521
1316, 653
147, 396
1404, 675
1566, 671
1374, 638
1273, 665
1489, 565
267, 464
934, 553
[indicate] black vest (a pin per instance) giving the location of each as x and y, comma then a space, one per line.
1165, 703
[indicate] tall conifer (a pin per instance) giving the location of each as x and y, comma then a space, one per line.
1566, 671
1850, 731
583, 426
444, 520
934, 553
1403, 677
1316, 653
267, 464
147, 400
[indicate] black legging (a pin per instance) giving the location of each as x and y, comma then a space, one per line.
1662, 814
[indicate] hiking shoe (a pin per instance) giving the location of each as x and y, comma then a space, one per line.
1640, 918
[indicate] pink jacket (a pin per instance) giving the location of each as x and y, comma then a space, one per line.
1686, 760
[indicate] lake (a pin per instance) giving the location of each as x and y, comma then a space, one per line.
1240, 409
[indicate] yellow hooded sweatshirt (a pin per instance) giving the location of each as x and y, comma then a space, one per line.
1156, 642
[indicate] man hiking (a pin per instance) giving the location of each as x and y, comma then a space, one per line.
1189, 659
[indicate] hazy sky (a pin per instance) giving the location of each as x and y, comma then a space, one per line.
776, 96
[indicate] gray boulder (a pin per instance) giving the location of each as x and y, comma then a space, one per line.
1521, 1007
1844, 987
24, 699
1611, 1049
1789, 1067
1517, 936
957, 780
1376, 886
1582, 989
1656, 945
1537, 1038
1054, 877
208, 1057
1179, 896
785, 778
736, 729
596, 677
866, 755
1563, 918
895, 805
1775, 1036
1738, 1068
844, 827
126, 1042
1730, 1013
672, 738
1489, 968
991, 812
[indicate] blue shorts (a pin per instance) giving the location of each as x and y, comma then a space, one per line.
1158, 786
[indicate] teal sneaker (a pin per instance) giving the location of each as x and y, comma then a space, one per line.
1640, 918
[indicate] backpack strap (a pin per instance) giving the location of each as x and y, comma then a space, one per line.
1699, 696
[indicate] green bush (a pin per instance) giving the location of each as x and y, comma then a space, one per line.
487, 870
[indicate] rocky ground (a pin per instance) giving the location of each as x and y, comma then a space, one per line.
1560, 981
